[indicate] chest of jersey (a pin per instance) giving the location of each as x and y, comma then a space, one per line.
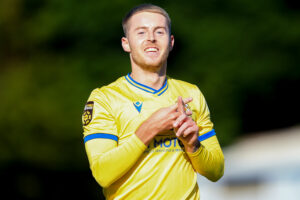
131, 109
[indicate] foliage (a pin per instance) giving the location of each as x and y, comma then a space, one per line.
53, 53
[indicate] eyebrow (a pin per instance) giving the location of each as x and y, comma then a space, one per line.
144, 27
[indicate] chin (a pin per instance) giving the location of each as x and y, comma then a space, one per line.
150, 64
155, 63
153, 66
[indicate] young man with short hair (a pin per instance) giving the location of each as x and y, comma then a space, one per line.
142, 139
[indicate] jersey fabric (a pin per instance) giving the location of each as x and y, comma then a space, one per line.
128, 169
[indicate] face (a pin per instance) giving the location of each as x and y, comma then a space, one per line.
148, 40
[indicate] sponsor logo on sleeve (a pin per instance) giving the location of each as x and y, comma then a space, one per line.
88, 113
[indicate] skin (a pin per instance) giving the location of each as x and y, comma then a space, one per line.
146, 30
148, 43
186, 129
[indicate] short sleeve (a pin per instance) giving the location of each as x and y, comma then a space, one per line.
97, 118
203, 117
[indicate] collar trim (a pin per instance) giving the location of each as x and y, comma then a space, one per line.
147, 88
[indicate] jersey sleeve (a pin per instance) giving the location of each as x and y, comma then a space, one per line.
208, 160
108, 160
97, 117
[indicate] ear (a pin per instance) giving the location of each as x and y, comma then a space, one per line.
125, 44
172, 40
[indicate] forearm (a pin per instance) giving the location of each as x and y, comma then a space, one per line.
110, 166
159, 122
208, 160
146, 132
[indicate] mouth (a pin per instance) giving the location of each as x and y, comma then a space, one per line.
151, 49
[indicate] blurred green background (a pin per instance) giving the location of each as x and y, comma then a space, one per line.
243, 55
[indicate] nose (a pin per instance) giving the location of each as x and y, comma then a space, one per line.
151, 37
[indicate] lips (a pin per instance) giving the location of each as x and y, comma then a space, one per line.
151, 49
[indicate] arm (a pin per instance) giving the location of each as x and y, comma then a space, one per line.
208, 159
110, 161
204, 151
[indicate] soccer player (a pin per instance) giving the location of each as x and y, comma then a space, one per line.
147, 135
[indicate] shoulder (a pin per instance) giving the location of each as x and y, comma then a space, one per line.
187, 90
107, 91
182, 84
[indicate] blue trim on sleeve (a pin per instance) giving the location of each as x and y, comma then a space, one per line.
100, 136
207, 135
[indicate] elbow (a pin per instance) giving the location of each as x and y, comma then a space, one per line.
102, 178
216, 176
102, 182
217, 172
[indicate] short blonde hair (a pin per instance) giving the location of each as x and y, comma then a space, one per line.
145, 8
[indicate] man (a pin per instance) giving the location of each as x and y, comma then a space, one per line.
142, 139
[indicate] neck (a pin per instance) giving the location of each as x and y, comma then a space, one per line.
153, 79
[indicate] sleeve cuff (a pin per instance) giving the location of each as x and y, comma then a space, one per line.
196, 153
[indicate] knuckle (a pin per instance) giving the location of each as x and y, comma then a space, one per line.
173, 115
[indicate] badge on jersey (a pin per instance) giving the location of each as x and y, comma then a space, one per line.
138, 106
88, 113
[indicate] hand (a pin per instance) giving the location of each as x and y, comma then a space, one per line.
187, 111
186, 129
159, 122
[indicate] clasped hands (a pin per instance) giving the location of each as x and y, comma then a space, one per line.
174, 117
185, 128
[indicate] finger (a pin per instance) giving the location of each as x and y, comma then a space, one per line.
173, 116
179, 120
174, 107
180, 105
188, 131
187, 100
181, 129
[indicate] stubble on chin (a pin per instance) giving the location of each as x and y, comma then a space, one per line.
151, 66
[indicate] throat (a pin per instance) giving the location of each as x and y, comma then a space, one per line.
152, 80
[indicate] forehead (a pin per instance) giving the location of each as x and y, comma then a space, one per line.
147, 19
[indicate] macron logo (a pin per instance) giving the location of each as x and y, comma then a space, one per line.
138, 106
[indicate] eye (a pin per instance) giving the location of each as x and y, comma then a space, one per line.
141, 32
160, 32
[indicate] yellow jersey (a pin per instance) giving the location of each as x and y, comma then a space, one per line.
128, 169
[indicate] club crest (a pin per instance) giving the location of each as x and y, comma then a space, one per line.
88, 113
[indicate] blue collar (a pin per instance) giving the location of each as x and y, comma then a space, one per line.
147, 88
